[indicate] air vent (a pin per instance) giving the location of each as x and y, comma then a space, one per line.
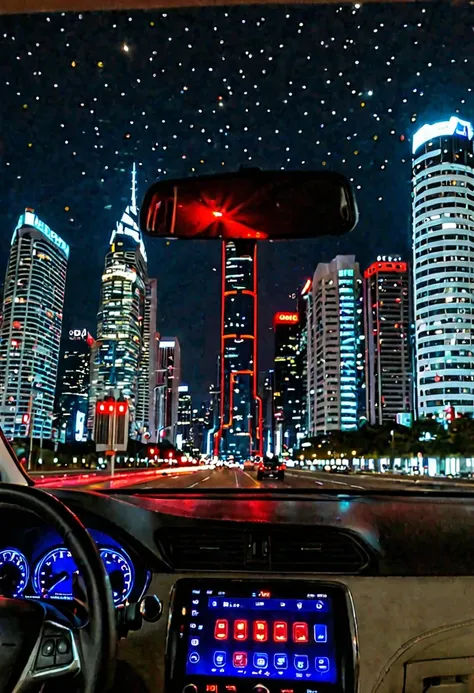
211, 549
320, 550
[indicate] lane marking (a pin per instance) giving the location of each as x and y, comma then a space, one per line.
200, 481
252, 479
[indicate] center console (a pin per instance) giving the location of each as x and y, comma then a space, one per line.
252, 636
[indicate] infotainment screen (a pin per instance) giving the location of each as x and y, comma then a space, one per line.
270, 634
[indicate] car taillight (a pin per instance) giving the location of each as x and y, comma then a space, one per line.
262, 467
282, 467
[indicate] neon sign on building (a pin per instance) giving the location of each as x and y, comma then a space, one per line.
29, 218
453, 126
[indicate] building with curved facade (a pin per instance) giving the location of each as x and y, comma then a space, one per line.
30, 334
443, 266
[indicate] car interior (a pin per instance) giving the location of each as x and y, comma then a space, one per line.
273, 591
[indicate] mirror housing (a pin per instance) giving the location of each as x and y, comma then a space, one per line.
250, 204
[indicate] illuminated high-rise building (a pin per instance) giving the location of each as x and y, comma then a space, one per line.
166, 397
73, 386
335, 362
287, 379
387, 323
185, 415
443, 266
147, 367
239, 433
30, 334
117, 356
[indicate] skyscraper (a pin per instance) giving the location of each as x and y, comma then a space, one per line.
148, 359
166, 391
184, 422
443, 266
117, 357
304, 310
73, 386
239, 433
287, 380
30, 334
335, 366
387, 318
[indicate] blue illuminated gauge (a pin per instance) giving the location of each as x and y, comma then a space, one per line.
14, 573
120, 570
54, 575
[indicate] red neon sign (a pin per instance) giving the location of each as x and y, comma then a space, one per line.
393, 266
286, 318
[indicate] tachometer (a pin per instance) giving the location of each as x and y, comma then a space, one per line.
120, 571
54, 574
14, 573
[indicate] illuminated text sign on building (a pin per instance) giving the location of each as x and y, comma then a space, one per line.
453, 126
285, 318
31, 219
78, 334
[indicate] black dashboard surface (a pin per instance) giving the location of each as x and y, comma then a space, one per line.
368, 535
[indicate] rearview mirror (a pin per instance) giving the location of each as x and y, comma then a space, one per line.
253, 204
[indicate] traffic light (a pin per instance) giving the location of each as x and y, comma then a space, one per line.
152, 452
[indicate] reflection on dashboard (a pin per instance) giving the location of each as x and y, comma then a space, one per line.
38, 567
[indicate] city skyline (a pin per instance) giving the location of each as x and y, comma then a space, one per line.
81, 187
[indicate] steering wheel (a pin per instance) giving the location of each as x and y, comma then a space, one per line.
37, 641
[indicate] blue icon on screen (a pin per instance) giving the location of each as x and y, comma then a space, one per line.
322, 665
301, 662
219, 659
320, 632
194, 658
280, 661
260, 660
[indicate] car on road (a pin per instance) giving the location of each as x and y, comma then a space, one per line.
271, 467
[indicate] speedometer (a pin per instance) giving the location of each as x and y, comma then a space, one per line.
120, 570
14, 573
54, 574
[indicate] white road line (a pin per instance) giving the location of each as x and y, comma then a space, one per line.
200, 481
315, 481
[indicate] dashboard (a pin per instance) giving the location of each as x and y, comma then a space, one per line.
272, 593
35, 564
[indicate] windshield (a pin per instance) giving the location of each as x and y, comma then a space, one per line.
163, 364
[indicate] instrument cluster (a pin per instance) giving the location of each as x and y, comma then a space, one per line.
41, 567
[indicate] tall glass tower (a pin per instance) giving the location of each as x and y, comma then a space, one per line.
30, 333
116, 356
443, 266
335, 361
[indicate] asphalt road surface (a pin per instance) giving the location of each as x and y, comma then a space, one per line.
207, 479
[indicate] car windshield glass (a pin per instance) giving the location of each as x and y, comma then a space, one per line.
130, 361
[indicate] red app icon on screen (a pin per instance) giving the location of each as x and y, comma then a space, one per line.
280, 631
260, 631
240, 630
300, 632
239, 660
221, 629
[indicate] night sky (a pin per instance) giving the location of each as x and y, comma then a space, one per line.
198, 91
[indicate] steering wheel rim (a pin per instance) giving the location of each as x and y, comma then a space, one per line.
94, 644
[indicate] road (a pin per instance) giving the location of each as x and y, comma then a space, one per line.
207, 479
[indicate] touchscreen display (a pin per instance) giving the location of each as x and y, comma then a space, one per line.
261, 635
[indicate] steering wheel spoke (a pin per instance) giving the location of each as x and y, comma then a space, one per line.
56, 654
